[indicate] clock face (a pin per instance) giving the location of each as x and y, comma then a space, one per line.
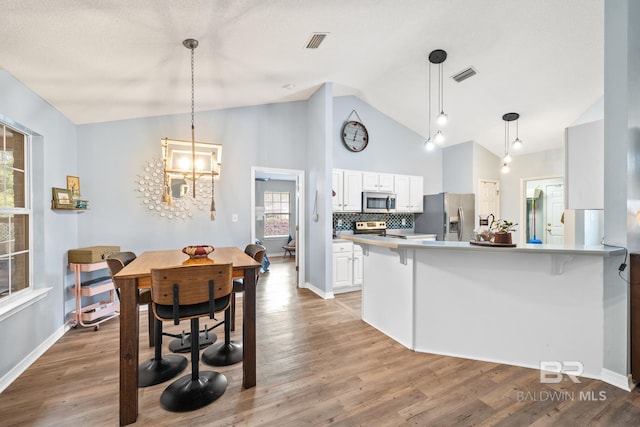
355, 136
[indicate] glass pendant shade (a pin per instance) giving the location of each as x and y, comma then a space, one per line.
439, 138
442, 119
429, 145
505, 168
507, 158
517, 144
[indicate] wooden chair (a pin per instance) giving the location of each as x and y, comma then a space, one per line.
160, 368
230, 352
290, 248
191, 292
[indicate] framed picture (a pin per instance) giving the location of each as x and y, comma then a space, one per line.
62, 198
73, 185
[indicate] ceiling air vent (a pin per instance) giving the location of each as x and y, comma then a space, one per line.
464, 74
315, 40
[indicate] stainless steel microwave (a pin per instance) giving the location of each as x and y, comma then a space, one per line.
378, 202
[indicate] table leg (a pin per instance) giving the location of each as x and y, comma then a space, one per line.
128, 351
249, 328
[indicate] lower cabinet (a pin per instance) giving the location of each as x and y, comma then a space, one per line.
347, 267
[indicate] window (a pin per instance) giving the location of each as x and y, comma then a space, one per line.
15, 212
276, 213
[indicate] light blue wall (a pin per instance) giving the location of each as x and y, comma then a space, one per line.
113, 154
54, 232
392, 147
274, 244
457, 168
319, 151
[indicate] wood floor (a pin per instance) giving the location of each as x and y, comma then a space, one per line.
318, 364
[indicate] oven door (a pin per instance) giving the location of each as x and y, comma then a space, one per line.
374, 202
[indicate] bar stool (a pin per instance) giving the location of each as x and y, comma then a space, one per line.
191, 292
160, 368
230, 352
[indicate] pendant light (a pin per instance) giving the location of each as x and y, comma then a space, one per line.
428, 144
443, 118
192, 44
506, 159
437, 57
517, 143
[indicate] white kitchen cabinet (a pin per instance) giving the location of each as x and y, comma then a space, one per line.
347, 266
358, 266
374, 181
409, 191
348, 187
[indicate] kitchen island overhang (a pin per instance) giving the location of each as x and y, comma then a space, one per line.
527, 306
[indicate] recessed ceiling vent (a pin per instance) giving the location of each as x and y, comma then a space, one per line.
315, 40
464, 74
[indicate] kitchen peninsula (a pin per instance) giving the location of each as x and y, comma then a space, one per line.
519, 306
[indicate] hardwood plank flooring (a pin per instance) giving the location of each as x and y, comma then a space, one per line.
318, 364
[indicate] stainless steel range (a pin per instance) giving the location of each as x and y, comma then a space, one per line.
378, 228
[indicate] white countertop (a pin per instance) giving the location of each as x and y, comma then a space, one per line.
391, 242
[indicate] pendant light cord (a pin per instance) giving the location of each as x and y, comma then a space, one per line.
193, 129
429, 137
441, 87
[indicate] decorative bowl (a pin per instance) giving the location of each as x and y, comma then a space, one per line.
198, 251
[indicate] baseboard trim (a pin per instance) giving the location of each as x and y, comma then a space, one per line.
318, 291
615, 379
19, 369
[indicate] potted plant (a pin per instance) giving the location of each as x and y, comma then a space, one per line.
502, 231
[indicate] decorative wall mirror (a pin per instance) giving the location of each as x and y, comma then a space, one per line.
171, 188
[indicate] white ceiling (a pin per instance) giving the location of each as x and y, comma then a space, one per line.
103, 60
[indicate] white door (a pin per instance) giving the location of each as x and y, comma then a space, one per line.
554, 200
488, 199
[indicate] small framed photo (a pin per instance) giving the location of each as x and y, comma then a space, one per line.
73, 185
62, 198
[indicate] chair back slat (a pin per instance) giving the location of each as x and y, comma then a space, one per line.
192, 281
255, 251
118, 260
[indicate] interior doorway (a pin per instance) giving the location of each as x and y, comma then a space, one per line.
542, 210
277, 182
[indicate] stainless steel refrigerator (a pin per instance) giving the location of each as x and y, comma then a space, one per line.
447, 215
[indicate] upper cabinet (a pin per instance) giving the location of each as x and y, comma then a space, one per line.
409, 193
347, 185
584, 174
373, 181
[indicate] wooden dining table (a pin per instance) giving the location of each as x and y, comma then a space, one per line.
137, 275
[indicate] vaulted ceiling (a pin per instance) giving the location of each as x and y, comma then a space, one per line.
103, 60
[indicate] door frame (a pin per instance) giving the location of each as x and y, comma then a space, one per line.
523, 201
300, 213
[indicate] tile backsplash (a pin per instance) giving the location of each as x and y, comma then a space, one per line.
394, 220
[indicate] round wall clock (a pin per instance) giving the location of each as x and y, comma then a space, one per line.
355, 136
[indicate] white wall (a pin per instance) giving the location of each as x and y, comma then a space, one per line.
621, 174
